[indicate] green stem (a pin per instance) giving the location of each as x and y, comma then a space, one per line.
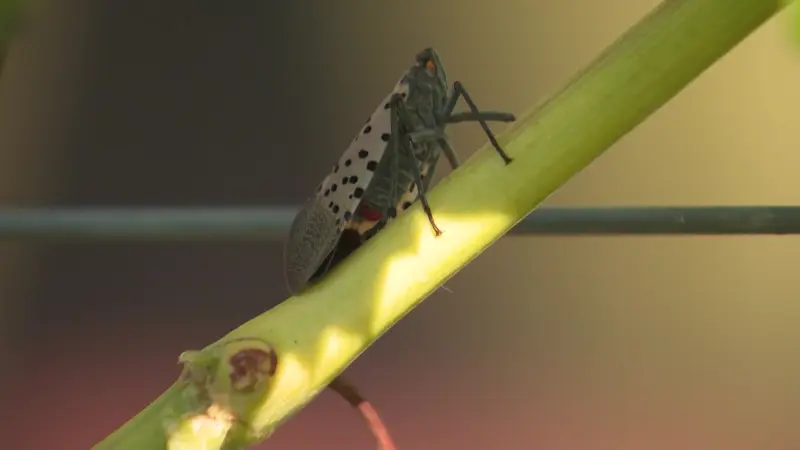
314, 336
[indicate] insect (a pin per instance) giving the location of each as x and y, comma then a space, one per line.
386, 168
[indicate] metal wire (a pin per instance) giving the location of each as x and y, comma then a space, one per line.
272, 223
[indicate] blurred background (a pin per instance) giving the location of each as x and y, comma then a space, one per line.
545, 343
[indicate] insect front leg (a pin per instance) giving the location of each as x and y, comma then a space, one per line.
486, 116
400, 142
459, 91
449, 153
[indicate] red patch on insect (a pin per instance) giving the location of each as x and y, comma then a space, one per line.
370, 214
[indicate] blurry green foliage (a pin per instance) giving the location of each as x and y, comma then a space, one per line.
10, 15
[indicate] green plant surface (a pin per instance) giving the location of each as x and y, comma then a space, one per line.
794, 19
235, 392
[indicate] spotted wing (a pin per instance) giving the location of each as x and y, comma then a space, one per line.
316, 229
343, 188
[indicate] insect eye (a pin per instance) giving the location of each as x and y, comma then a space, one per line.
430, 66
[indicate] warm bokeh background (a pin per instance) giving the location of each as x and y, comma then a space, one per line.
551, 343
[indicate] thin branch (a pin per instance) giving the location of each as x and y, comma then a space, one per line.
272, 223
235, 392
373, 420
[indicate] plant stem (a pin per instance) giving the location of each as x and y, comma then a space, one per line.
312, 337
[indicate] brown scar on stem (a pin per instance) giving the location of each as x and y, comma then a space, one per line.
347, 391
250, 367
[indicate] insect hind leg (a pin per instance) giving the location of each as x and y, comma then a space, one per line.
401, 123
459, 91
423, 198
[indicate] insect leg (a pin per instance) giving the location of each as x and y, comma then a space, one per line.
401, 122
458, 90
486, 116
449, 153
438, 135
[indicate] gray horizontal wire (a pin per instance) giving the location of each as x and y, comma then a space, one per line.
272, 223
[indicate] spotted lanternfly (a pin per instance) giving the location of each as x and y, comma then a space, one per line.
387, 166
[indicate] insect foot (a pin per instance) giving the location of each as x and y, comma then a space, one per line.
219, 387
